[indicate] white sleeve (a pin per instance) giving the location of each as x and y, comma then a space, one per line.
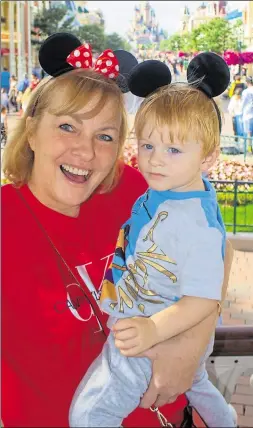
231, 106
203, 270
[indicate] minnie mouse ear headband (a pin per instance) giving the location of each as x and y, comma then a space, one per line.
63, 52
207, 72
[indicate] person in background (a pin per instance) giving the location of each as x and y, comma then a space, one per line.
235, 110
23, 84
244, 72
186, 62
34, 81
181, 64
5, 79
5, 99
3, 126
21, 87
247, 111
26, 96
237, 83
13, 92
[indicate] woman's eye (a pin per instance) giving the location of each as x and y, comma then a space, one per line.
173, 150
66, 127
104, 137
148, 146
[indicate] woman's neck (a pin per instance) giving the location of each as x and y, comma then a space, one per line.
70, 211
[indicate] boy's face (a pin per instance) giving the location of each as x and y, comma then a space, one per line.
167, 166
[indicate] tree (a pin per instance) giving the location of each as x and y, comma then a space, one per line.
52, 20
217, 35
186, 42
114, 41
173, 43
93, 34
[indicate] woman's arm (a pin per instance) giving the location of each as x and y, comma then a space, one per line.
176, 360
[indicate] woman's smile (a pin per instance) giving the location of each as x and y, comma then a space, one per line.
74, 174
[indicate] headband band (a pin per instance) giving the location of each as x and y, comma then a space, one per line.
63, 52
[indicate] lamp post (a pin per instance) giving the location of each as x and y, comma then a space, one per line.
239, 45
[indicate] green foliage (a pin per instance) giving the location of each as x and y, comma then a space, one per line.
93, 34
114, 41
50, 21
244, 215
244, 197
173, 43
217, 35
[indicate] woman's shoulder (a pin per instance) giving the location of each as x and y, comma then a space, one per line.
7, 192
11, 204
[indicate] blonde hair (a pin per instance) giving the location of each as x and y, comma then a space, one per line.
186, 111
77, 88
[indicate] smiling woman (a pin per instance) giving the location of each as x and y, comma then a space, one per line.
68, 140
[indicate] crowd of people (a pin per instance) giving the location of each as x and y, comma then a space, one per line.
240, 107
14, 96
177, 64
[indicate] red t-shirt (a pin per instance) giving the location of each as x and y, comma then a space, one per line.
50, 333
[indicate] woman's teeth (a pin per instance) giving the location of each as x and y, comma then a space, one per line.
76, 171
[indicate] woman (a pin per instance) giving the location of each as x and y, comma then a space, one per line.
61, 217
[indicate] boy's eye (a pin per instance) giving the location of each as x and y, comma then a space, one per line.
148, 146
173, 150
104, 137
66, 127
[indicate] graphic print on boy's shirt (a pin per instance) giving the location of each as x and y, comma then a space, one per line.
145, 258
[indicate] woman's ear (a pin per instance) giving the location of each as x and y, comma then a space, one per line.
210, 160
30, 138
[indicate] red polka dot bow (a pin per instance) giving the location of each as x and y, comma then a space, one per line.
106, 64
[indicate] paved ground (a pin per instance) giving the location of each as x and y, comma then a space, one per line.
238, 308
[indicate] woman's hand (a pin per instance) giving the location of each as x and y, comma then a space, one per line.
174, 367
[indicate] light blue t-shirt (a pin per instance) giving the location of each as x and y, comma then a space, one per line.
172, 246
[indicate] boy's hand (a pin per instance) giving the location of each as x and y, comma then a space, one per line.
134, 335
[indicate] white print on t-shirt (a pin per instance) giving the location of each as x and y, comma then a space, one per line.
83, 273
86, 279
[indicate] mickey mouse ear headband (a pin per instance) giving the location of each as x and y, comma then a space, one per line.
63, 52
207, 72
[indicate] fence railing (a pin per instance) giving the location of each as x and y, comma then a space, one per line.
236, 203
236, 145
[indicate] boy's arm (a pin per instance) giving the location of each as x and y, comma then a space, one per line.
181, 316
137, 334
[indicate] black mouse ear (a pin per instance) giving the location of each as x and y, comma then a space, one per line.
211, 71
54, 51
148, 76
126, 63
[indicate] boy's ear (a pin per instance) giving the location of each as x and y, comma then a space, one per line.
210, 160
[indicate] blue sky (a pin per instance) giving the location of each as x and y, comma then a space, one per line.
118, 14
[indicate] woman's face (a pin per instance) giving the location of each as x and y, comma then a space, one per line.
73, 156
